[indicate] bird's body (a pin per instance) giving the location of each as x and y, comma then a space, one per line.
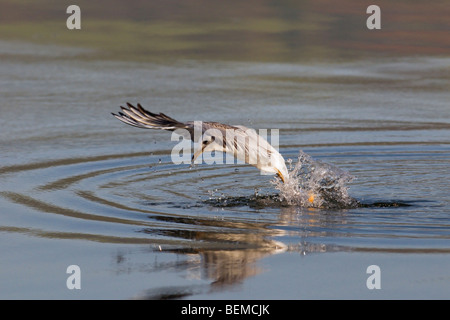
242, 142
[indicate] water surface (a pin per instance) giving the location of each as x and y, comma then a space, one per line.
79, 187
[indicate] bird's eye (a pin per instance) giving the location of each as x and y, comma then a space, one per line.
205, 142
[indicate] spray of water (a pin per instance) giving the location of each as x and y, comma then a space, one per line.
315, 184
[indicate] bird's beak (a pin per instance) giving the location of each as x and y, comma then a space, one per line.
280, 175
197, 153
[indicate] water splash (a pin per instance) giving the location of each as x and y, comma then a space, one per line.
311, 184
315, 184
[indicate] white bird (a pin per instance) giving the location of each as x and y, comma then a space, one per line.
243, 143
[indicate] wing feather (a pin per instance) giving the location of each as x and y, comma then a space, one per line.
141, 118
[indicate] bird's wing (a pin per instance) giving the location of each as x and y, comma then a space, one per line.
141, 118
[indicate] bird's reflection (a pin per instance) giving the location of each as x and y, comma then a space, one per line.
226, 252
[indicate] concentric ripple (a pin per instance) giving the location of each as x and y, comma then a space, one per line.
130, 199
142, 198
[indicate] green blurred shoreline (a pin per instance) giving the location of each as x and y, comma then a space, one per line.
263, 31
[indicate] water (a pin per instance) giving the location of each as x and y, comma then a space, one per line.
316, 184
367, 137
79, 187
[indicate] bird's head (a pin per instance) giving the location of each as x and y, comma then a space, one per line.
207, 140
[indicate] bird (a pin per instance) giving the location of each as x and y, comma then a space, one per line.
245, 144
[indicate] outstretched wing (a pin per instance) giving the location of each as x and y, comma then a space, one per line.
141, 118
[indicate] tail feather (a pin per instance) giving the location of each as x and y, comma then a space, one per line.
141, 118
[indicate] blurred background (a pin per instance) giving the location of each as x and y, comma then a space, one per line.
253, 30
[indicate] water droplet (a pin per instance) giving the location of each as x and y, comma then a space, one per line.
324, 184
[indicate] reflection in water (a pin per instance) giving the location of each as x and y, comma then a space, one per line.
219, 240
221, 247
224, 268
228, 254
224, 260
